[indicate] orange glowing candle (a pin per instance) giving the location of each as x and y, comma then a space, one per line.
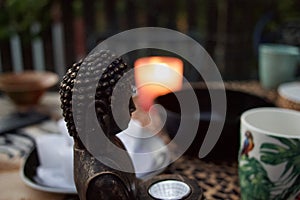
155, 76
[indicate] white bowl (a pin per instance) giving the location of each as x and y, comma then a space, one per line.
169, 190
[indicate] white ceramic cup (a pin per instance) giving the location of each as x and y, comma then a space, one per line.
269, 157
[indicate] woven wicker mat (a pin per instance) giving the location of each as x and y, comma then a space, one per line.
218, 180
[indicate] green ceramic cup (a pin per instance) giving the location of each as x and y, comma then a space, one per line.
277, 64
269, 156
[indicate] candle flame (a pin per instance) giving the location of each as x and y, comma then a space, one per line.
157, 76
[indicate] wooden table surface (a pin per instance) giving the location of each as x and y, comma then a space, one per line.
218, 180
11, 185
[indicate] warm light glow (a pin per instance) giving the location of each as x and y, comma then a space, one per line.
155, 76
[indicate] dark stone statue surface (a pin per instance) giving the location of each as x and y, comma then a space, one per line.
93, 178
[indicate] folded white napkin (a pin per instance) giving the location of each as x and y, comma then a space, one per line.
55, 153
148, 152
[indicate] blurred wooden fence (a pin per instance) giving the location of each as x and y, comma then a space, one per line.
52, 50
224, 28
69, 37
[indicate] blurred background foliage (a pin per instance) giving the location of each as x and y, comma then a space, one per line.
19, 15
229, 30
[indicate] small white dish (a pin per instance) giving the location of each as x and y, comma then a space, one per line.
29, 176
290, 91
169, 190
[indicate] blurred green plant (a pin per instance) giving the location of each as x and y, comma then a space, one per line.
17, 16
289, 9
77, 8
254, 180
287, 152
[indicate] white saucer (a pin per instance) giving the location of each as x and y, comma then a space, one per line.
290, 91
29, 176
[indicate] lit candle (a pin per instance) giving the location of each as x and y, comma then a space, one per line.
155, 76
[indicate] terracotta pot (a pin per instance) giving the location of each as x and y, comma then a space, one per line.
26, 88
